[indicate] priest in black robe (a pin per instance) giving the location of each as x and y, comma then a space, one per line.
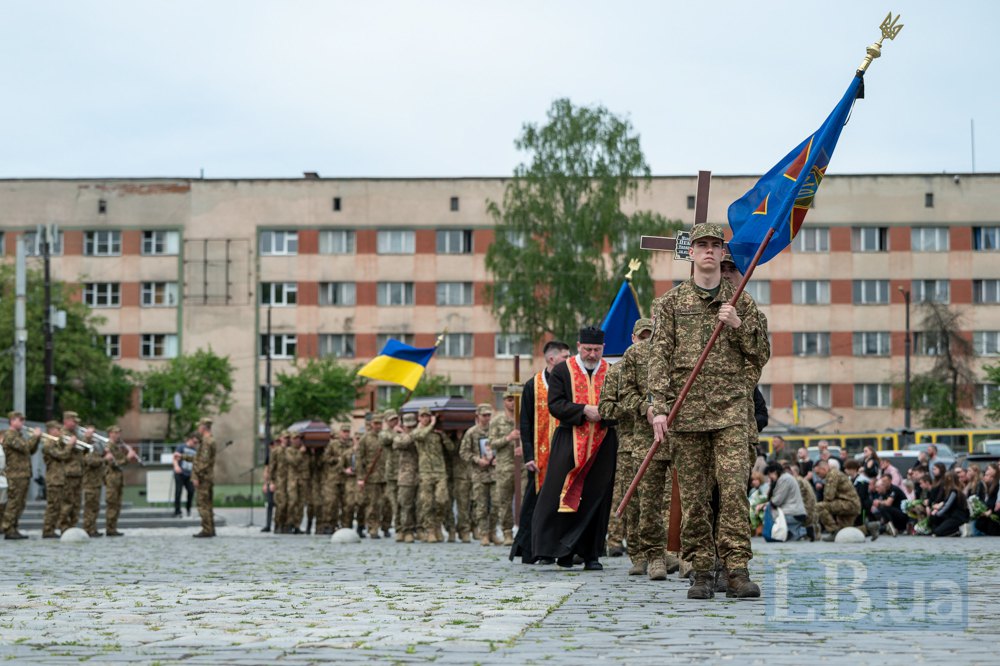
574, 503
554, 353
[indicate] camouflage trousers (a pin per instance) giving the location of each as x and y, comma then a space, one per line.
650, 533
354, 503
204, 499
333, 504
620, 529
301, 501
391, 495
17, 493
406, 507
91, 507
53, 508
836, 515
434, 499
280, 505
69, 514
704, 459
113, 483
375, 501
462, 492
485, 516
502, 499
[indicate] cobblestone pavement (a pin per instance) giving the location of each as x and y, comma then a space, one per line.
162, 597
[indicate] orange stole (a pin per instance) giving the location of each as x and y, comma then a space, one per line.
586, 438
545, 428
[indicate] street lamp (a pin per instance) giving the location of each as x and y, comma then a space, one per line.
906, 385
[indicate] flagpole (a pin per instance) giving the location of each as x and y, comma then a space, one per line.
694, 375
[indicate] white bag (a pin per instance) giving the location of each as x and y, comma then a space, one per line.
779, 526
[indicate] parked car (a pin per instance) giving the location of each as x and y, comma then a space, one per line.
989, 446
814, 453
944, 453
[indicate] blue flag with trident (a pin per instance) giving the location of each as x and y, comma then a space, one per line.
783, 196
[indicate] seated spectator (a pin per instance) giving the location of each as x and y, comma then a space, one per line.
951, 513
932, 462
761, 462
909, 489
974, 485
988, 524
781, 451
862, 486
784, 494
840, 505
804, 464
885, 468
824, 454
887, 506
758, 498
809, 501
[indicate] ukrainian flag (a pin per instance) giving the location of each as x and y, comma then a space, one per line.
398, 363
618, 323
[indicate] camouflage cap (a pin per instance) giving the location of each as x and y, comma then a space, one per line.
509, 394
727, 258
390, 414
641, 325
707, 230
71, 415
205, 421
14, 415
52, 424
409, 419
484, 408
345, 426
113, 428
376, 418
424, 411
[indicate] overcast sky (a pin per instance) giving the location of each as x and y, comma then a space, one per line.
395, 89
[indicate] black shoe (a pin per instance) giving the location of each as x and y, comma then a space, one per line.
593, 565
95, 534
50, 535
203, 535
566, 561
114, 533
385, 533
14, 536
266, 529
577, 559
703, 586
545, 560
296, 530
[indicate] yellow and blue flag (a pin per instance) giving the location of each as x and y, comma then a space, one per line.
398, 363
783, 196
618, 323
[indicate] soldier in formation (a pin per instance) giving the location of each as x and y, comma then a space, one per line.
204, 477
69, 512
117, 454
18, 449
390, 459
406, 478
505, 437
94, 467
479, 457
432, 445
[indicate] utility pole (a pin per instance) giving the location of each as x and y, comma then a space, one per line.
906, 348
267, 396
20, 328
50, 379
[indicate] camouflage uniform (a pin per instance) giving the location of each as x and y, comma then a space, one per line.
298, 484
482, 482
370, 455
93, 481
461, 492
840, 505
502, 497
354, 502
610, 409
114, 480
204, 474
390, 460
73, 491
431, 448
315, 511
55, 455
18, 451
709, 436
406, 484
276, 471
809, 500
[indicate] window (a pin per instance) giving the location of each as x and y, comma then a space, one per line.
456, 345
336, 293
160, 242
460, 391
158, 345
2, 244
336, 241
102, 206
386, 394
159, 294
394, 293
516, 238
813, 395
986, 239
510, 344
454, 293
929, 239
986, 395
928, 200
811, 239
690, 202
336, 204
811, 344
112, 346
282, 345
338, 345
870, 239
986, 343
759, 291
931, 291
382, 338
102, 243
871, 343
102, 294
765, 390
279, 243
868, 396
148, 405
454, 204
279, 293
928, 343
871, 292
810, 292
454, 241
263, 394
986, 291
395, 242
33, 247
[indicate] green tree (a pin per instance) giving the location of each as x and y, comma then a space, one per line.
204, 381
560, 212
319, 388
939, 392
993, 405
429, 384
88, 381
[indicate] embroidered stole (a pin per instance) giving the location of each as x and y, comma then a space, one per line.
545, 428
586, 438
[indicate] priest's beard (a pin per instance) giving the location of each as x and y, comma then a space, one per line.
590, 365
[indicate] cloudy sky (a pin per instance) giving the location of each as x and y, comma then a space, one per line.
381, 88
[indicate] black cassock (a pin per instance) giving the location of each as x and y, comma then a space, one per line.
583, 532
522, 543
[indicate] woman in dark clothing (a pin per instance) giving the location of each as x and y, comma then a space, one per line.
985, 523
952, 511
870, 466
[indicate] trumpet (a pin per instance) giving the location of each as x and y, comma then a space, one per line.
101, 440
65, 439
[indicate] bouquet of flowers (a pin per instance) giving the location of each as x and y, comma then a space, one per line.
923, 526
978, 508
915, 509
757, 501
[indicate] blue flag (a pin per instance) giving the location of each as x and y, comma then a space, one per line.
619, 321
782, 197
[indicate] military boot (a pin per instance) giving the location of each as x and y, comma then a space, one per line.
721, 579
657, 569
467, 537
638, 567
673, 562
508, 538
703, 586
453, 536
432, 537
485, 541
408, 538
740, 585
400, 537
616, 549
495, 538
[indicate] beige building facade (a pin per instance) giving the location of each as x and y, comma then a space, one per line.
174, 265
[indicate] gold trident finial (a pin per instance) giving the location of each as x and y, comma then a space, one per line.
889, 31
440, 338
633, 266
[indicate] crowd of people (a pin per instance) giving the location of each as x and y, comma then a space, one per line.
871, 494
